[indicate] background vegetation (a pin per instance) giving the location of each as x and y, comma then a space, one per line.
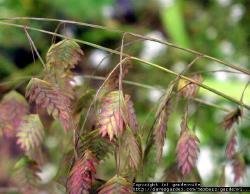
218, 28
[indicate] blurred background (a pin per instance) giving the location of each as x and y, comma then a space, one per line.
220, 28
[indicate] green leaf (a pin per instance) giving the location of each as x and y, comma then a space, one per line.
173, 23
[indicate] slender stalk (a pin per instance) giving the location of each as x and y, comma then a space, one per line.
137, 59
246, 71
62, 36
34, 47
150, 87
193, 81
120, 89
124, 81
96, 96
214, 71
128, 82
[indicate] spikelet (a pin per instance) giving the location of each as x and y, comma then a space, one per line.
239, 167
110, 118
132, 146
187, 149
160, 125
13, 108
62, 80
160, 128
160, 133
231, 118
61, 58
57, 103
116, 185
82, 174
26, 175
99, 146
31, 133
231, 145
65, 54
131, 119
189, 89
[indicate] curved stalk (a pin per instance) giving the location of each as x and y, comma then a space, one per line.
246, 71
133, 58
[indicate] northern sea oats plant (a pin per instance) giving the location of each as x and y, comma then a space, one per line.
101, 124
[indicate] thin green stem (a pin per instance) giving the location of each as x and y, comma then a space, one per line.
124, 81
136, 59
210, 104
62, 36
34, 47
246, 71
193, 81
150, 87
214, 71
96, 96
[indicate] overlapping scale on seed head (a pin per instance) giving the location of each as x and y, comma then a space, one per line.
131, 118
187, 151
187, 88
231, 145
82, 174
65, 54
110, 117
13, 108
57, 103
31, 133
239, 167
231, 118
116, 185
